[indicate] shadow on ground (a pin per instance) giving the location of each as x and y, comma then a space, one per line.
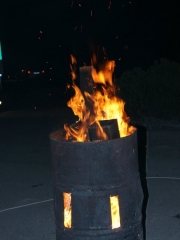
142, 145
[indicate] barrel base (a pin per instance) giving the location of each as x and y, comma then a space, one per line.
135, 234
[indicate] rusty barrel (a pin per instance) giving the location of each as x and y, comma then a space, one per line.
87, 176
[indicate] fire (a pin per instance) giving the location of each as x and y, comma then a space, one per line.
67, 209
77, 103
104, 104
104, 76
115, 216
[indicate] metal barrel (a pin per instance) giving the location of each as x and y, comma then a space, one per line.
91, 174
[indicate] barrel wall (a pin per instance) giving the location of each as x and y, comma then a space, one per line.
92, 172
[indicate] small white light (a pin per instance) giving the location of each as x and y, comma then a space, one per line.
0, 102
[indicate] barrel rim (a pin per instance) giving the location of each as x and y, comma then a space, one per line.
61, 137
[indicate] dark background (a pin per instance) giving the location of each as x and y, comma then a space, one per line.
40, 34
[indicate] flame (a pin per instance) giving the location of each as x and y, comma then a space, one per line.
105, 105
100, 133
73, 67
104, 75
115, 214
77, 103
67, 210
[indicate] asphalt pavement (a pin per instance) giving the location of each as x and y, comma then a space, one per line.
26, 202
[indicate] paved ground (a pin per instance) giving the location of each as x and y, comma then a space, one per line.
26, 206
163, 179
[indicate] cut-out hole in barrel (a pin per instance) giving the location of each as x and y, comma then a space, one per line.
67, 210
115, 213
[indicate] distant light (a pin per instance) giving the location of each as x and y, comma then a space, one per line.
49, 94
36, 73
40, 32
117, 37
91, 13
119, 59
42, 71
0, 75
0, 52
47, 62
50, 68
79, 5
130, 2
29, 72
0, 102
8, 76
50, 79
35, 108
39, 38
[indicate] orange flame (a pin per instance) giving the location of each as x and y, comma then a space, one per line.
104, 76
73, 67
77, 103
105, 104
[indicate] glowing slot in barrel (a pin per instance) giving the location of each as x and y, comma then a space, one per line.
67, 210
115, 213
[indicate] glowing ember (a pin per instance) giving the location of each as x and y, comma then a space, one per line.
115, 216
67, 209
103, 102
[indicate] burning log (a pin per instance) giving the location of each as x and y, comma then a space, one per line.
86, 81
109, 127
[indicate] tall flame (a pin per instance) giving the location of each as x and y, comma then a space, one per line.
105, 104
77, 103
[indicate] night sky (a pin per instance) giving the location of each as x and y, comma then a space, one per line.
133, 33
